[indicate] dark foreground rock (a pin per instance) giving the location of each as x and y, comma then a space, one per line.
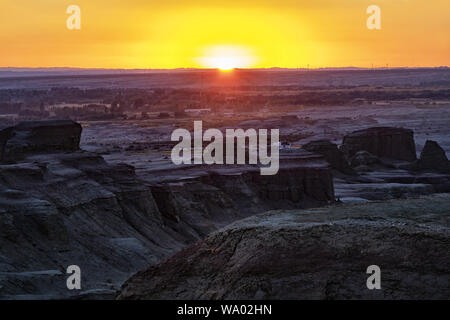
332, 155
313, 254
385, 142
39, 136
75, 209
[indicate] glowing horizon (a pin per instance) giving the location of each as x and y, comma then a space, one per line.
173, 34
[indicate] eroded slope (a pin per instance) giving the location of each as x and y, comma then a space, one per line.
318, 253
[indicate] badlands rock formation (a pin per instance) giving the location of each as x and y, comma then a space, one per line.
385, 142
63, 209
318, 253
61, 206
39, 136
433, 158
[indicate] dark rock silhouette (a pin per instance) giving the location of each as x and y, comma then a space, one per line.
313, 254
388, 142
39, 136
332, 155
363, 158
433, 158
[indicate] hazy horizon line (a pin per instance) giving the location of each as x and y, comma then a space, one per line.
65, 68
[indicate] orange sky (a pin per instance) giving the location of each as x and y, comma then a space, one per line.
233, 33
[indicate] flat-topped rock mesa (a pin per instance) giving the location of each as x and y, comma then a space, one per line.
384, 159
332, 155
384, 142
432, 158
39, 136
320, 253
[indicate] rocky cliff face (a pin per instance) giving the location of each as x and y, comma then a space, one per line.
39, 136
385, 142
216, 199
61, 206
197, 200
66, 209
313, 254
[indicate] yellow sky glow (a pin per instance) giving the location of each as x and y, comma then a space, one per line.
224, 34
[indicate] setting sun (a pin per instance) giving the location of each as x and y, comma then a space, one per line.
227, 57
225, 64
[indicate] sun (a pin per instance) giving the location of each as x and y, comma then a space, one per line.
225, 63
226, 57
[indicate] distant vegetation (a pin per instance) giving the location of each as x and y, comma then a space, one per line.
104, 104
